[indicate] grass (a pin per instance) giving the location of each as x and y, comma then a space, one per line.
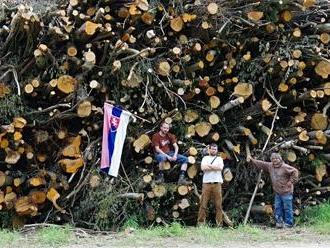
8, 237
175, 233
316, 218
158, 234
173, 230
312, 219
54, 236
198, 235
252, 232
132, 222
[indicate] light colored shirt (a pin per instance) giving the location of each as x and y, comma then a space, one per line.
212, 176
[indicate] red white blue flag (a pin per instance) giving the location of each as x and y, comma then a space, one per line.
114, 133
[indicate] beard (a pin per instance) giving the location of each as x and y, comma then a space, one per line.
277, 163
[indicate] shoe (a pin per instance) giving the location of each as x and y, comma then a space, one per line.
219, 225
160, 179
201, 224
287, 226
279, 225
183, 181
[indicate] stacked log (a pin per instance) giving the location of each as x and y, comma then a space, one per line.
243, 74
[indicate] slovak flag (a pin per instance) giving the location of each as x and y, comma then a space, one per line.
114, 133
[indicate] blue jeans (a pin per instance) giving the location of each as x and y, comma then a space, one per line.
180, 158
283, 209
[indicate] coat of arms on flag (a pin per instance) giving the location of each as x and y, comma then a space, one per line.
114, 133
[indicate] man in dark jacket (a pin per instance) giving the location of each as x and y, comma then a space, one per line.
283, 177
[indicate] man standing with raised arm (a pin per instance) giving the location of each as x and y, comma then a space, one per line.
283, 177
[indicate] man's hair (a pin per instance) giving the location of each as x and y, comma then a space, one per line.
276, 155
164, 122
213, 145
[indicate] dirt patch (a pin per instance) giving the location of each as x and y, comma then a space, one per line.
250, 237
278, 239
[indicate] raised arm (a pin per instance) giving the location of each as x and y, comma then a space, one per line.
260, 164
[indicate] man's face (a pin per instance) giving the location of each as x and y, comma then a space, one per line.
276, 161
165, 128
213, 150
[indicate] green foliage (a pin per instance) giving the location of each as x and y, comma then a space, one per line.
175, 229
237, 213
316, 163
206, 234
6, 219
107, 209
273, 8
310, 166
180, 130
203, 235
317, 217
250, 230
8, 237
214, 235
54, 236
11, 106
131, 222
100, 208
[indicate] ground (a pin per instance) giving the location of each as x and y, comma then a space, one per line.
280, 239
241, 237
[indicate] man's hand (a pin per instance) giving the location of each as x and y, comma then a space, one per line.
288, 184
169, 158
207, 167
173, 159
248, 158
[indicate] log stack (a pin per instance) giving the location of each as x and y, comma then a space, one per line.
248, 75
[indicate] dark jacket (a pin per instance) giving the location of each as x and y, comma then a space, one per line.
283, 177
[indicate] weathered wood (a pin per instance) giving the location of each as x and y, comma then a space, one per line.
5, 180
224, 79
262, 209
203, 128
159, 190
183, 190
141, 143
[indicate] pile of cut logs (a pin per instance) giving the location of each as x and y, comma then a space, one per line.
251, 76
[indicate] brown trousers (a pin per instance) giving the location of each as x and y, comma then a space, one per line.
211, 191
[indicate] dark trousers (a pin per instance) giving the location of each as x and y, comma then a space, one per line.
211, 191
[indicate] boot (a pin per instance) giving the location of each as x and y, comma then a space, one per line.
285, 226
183, 181
160, 179
279, 225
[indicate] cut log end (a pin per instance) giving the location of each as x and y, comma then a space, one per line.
159, 190
213, 8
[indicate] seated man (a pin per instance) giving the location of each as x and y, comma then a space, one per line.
166, 148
